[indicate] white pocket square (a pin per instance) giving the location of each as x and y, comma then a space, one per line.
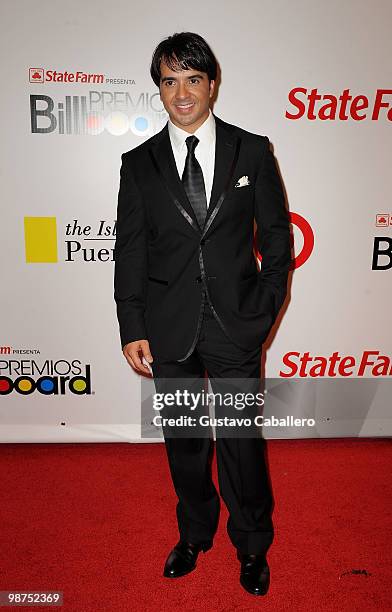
242, 182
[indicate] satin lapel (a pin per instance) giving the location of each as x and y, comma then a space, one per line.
227, 149
163, 160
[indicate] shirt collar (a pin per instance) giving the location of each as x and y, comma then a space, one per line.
205, 133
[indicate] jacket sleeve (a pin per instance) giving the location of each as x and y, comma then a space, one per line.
130, 258
273, 236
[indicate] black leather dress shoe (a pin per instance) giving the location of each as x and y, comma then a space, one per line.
182, 559
255, 574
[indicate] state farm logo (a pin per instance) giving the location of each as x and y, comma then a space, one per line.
40, 75
383, 220
304, 365
36, 75
330, 107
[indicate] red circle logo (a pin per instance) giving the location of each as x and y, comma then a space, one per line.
308, 238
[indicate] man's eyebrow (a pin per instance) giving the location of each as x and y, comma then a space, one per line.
191, 76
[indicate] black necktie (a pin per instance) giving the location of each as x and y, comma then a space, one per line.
192, 179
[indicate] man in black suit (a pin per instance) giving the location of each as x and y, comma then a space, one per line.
189, 294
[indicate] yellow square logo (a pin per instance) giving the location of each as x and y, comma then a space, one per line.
40, 239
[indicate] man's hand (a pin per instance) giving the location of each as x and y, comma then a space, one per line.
134, 352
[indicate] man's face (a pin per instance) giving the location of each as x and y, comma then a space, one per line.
186, 96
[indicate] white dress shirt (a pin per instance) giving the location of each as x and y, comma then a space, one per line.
204, 152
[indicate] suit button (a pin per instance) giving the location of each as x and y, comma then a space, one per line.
203, 241
198, 279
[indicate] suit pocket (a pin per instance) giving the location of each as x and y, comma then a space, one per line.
238, 192
241, 200
158, 280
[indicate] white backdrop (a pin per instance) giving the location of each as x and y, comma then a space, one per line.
57, 311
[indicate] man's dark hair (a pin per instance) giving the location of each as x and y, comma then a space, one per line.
186, 50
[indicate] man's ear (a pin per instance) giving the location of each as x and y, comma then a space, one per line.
212, 87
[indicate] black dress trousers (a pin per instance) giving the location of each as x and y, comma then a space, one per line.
242, 471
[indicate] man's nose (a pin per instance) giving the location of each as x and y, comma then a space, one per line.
182, 91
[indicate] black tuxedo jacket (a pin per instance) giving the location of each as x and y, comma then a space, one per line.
163, 260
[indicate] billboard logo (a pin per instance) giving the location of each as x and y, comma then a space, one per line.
382, 253
115, 112
40, 239
48, 384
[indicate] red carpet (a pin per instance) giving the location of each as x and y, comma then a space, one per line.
97, 522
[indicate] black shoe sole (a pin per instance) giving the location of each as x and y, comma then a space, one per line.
179, 575
253, 592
